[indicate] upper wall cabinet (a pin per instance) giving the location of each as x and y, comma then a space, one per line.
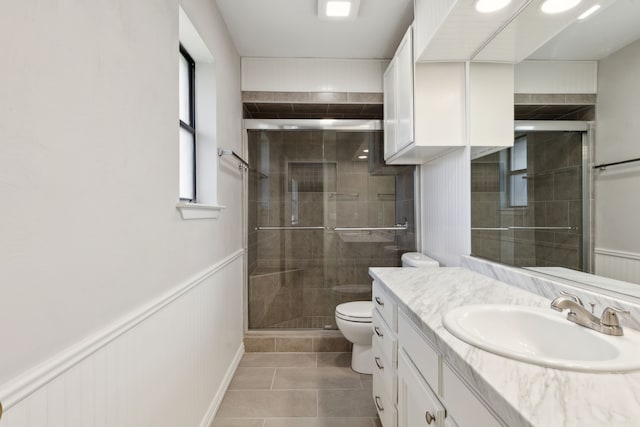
455, 30
398, 98
426, 106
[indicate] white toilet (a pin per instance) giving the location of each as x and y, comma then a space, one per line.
354, 319
416, 259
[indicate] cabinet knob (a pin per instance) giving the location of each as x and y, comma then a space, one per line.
379, 302
430, 418
378, 364
378, 405
377, 330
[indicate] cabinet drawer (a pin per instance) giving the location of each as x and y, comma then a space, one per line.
462, 403
384, 339
385, 305
384, 405
418, 405
422, 354
385, 372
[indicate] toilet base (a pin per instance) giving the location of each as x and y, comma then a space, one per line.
362, 359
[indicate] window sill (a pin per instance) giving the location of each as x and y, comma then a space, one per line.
198, 210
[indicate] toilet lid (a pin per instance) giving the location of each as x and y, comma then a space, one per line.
356, 310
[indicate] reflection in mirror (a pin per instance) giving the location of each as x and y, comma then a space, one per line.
550, 207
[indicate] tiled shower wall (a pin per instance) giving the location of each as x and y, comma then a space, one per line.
306, 273
554, 191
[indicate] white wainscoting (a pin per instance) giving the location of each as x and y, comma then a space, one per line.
445, 207
167, 364
617, 265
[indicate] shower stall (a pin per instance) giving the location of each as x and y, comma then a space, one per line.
321, 210
530, 204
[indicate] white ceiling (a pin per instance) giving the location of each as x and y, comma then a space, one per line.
291, 29
596, 37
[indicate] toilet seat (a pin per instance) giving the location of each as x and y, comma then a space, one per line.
356, 311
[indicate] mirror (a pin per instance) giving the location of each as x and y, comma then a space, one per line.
544, 204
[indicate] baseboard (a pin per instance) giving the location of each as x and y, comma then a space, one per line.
217, 399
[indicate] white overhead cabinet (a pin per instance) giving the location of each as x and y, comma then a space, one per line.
433, 107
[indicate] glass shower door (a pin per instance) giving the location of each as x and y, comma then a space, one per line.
316, 223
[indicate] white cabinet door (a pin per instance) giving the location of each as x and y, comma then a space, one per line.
389, 113
404, 94
417, 404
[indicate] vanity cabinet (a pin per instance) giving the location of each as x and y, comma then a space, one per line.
385, 351
429, 389
413, 385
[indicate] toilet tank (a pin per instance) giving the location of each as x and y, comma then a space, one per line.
416, 259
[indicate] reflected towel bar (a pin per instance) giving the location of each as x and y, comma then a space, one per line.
397, 227
290, 228
604, 166
522, 228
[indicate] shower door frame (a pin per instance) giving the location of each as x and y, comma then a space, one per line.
586, 127
289, 124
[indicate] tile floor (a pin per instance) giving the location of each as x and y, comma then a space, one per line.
297, 390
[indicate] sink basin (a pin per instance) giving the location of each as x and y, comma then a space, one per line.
543, 337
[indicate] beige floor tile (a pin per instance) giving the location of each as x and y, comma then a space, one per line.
345, 403
376, 422
238, 422
318, 422
342, 360
318, 378
252, 379
268, 403
277, 360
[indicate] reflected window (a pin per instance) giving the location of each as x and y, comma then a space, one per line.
187, 140
517, 173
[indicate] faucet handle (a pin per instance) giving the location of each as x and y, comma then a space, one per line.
610, 316
572, 296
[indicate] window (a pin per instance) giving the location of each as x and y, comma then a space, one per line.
517, 173
187, 127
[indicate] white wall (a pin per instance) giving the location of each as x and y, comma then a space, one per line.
559, 77
312, 74
616, 190
445, 187
89, 171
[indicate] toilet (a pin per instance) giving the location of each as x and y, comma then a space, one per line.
354, 319
416, 259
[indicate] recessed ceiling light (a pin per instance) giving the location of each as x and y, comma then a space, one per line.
366, 150
488, 6
558, 6
362, 157
338, 10
587, 13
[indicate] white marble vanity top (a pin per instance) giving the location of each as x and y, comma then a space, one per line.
520, 393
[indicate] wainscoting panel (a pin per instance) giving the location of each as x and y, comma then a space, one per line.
617, 265
167, 364
446, 205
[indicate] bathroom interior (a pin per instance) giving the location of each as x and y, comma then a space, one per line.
419, 215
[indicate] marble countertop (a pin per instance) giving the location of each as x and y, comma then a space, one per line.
522, 394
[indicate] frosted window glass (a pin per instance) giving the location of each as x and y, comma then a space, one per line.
518, 189
519, 154
187, 147
183, 84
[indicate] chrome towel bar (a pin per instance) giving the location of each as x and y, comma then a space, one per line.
243, 166
523, 228
397, 227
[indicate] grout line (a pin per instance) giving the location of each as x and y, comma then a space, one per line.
273, 379
317, 403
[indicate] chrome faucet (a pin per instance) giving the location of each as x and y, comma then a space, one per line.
608, 324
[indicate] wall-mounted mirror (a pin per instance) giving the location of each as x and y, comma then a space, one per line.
545, 204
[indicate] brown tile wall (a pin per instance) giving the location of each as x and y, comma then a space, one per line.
554, 199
